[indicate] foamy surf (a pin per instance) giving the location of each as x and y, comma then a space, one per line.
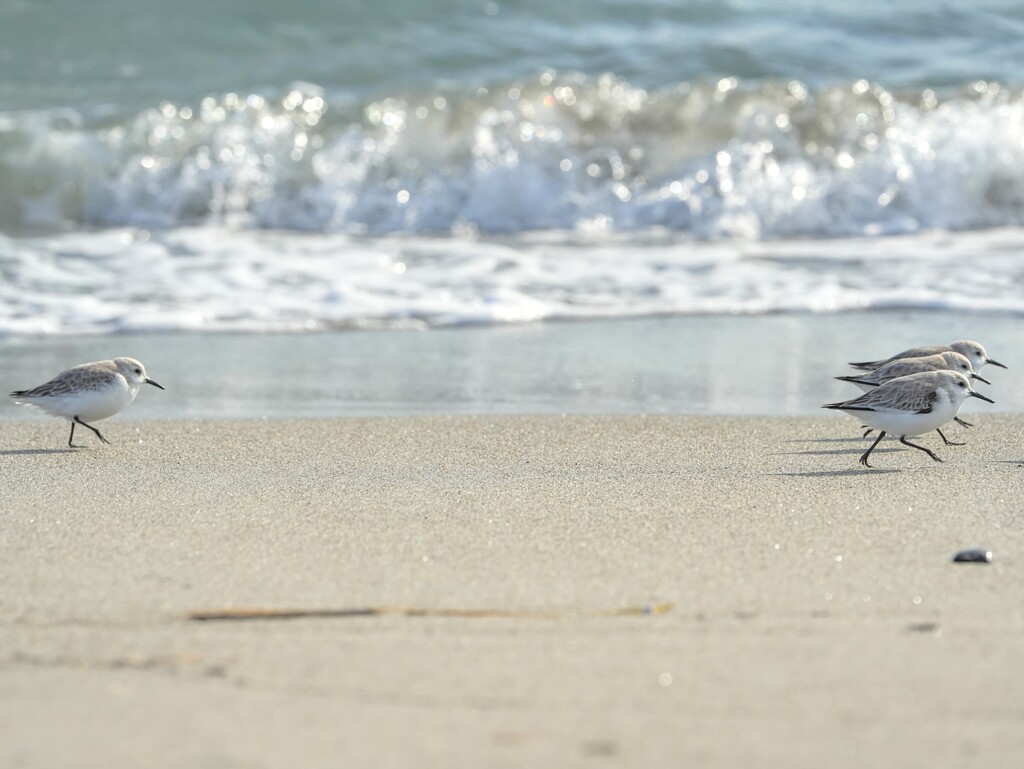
215, 278
323, 165
712, 160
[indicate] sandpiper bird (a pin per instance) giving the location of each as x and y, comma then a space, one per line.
89, 392
943, 361
910, 405
973, 351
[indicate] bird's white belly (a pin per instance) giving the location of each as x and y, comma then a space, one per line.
907, 423
92, 405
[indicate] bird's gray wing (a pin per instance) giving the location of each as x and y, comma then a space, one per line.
73, 380
897, 395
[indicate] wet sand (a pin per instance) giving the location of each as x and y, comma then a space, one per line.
816, 620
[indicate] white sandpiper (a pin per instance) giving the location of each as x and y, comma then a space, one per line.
910, 405
944, 361
88, 392
973, 351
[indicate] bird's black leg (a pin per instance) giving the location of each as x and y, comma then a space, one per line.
83, 424
929, 452
864, 458
72, 437
947, 441
867, 432
963, 422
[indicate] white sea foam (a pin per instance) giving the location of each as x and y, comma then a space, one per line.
555, 196
560, 152
207, 278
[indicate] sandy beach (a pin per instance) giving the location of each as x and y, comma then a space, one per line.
816, 620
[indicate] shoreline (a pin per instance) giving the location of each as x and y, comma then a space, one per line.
779, 365
817, 617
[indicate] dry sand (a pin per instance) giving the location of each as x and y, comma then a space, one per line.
817, 620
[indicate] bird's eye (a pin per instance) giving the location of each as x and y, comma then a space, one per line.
138, 371
959, 384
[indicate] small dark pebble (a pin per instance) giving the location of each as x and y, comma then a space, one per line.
974, 555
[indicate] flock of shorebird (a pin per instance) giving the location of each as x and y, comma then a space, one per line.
916, 391
911, 393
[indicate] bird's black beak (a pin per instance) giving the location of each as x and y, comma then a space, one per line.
980, 378
979, 395
994, 363
157, 384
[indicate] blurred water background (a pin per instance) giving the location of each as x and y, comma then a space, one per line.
184, 178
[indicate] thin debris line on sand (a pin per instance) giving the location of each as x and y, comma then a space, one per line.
251, 613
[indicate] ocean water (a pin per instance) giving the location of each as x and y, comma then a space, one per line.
259, 166
778, 364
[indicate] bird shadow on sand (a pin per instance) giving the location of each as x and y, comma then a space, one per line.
849, 472
26, 452
857, 470
851, 439
833, 452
